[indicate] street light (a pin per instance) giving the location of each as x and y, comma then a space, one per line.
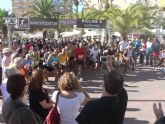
10, 22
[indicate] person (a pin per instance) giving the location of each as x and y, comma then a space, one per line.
158, 111
5, 60
80, 57
128, 58
111, 107
94, 53
71, 97
8, 71
14, 110
38, 96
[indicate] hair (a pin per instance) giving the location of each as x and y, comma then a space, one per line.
13, 56
19, 50
68, 81
18, 61
160, 121
37, 79
9, 71
113, 82
15, 85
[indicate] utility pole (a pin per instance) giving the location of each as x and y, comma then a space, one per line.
10, 22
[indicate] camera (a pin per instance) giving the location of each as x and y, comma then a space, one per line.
103, 58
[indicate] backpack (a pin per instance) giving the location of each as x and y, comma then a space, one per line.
53, 116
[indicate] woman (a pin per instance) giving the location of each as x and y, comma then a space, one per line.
14, 110
38, 96
72, 96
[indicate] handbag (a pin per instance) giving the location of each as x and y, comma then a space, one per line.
53, 116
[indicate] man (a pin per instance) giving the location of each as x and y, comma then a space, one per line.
94, 53
80, 57
123, 45
6, 60
111, 107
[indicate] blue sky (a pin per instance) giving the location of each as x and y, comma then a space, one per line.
5, 4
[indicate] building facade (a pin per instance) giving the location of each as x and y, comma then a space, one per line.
20, 8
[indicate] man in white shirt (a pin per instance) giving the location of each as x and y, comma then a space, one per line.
6, 60
94, 52
123, 45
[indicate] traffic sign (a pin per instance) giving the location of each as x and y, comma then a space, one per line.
10, 20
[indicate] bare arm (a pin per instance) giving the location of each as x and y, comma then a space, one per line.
45, 104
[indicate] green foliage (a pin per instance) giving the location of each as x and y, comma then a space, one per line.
42, 9
134, 18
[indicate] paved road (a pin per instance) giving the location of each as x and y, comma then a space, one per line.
144, 86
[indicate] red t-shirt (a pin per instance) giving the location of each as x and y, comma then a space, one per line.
80, 53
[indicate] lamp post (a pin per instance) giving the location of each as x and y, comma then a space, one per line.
10, 22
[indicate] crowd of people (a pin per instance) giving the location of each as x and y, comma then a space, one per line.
26, 66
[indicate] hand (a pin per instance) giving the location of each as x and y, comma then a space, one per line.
158, 111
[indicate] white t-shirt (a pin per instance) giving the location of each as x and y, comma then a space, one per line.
94, 52
129, 53
123, 45
68, 108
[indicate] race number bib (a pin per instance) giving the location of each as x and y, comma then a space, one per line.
81, 56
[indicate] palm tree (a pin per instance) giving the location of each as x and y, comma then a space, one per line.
3, 13
135, 17
42, 9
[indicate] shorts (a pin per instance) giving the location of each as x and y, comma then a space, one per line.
79, 62
48, 68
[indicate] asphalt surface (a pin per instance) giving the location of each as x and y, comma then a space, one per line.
145, 86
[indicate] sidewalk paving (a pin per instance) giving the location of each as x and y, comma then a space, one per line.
144, 86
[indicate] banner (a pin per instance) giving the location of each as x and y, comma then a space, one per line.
23, 23
67, 22
91, 23
43, 23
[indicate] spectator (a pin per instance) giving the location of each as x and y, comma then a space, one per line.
9, 71
111, 107
14, 110
72, 96
6, 60
38, 96
159, 114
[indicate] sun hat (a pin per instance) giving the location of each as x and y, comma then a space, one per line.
6, 50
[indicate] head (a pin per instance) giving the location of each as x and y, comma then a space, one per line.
20, 52
28, 56
80, 44
10, 71
68, 82
18, 62
7, 52
131, 46
37, 79
13, 56
17, 86
113, 82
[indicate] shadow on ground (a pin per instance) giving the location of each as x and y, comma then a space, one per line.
135, 121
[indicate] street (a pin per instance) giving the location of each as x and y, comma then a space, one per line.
144, 86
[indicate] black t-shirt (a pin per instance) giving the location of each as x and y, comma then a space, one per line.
106, 110
36, 96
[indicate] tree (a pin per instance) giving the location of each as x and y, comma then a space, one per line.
3, 13
42, 9
134, 18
